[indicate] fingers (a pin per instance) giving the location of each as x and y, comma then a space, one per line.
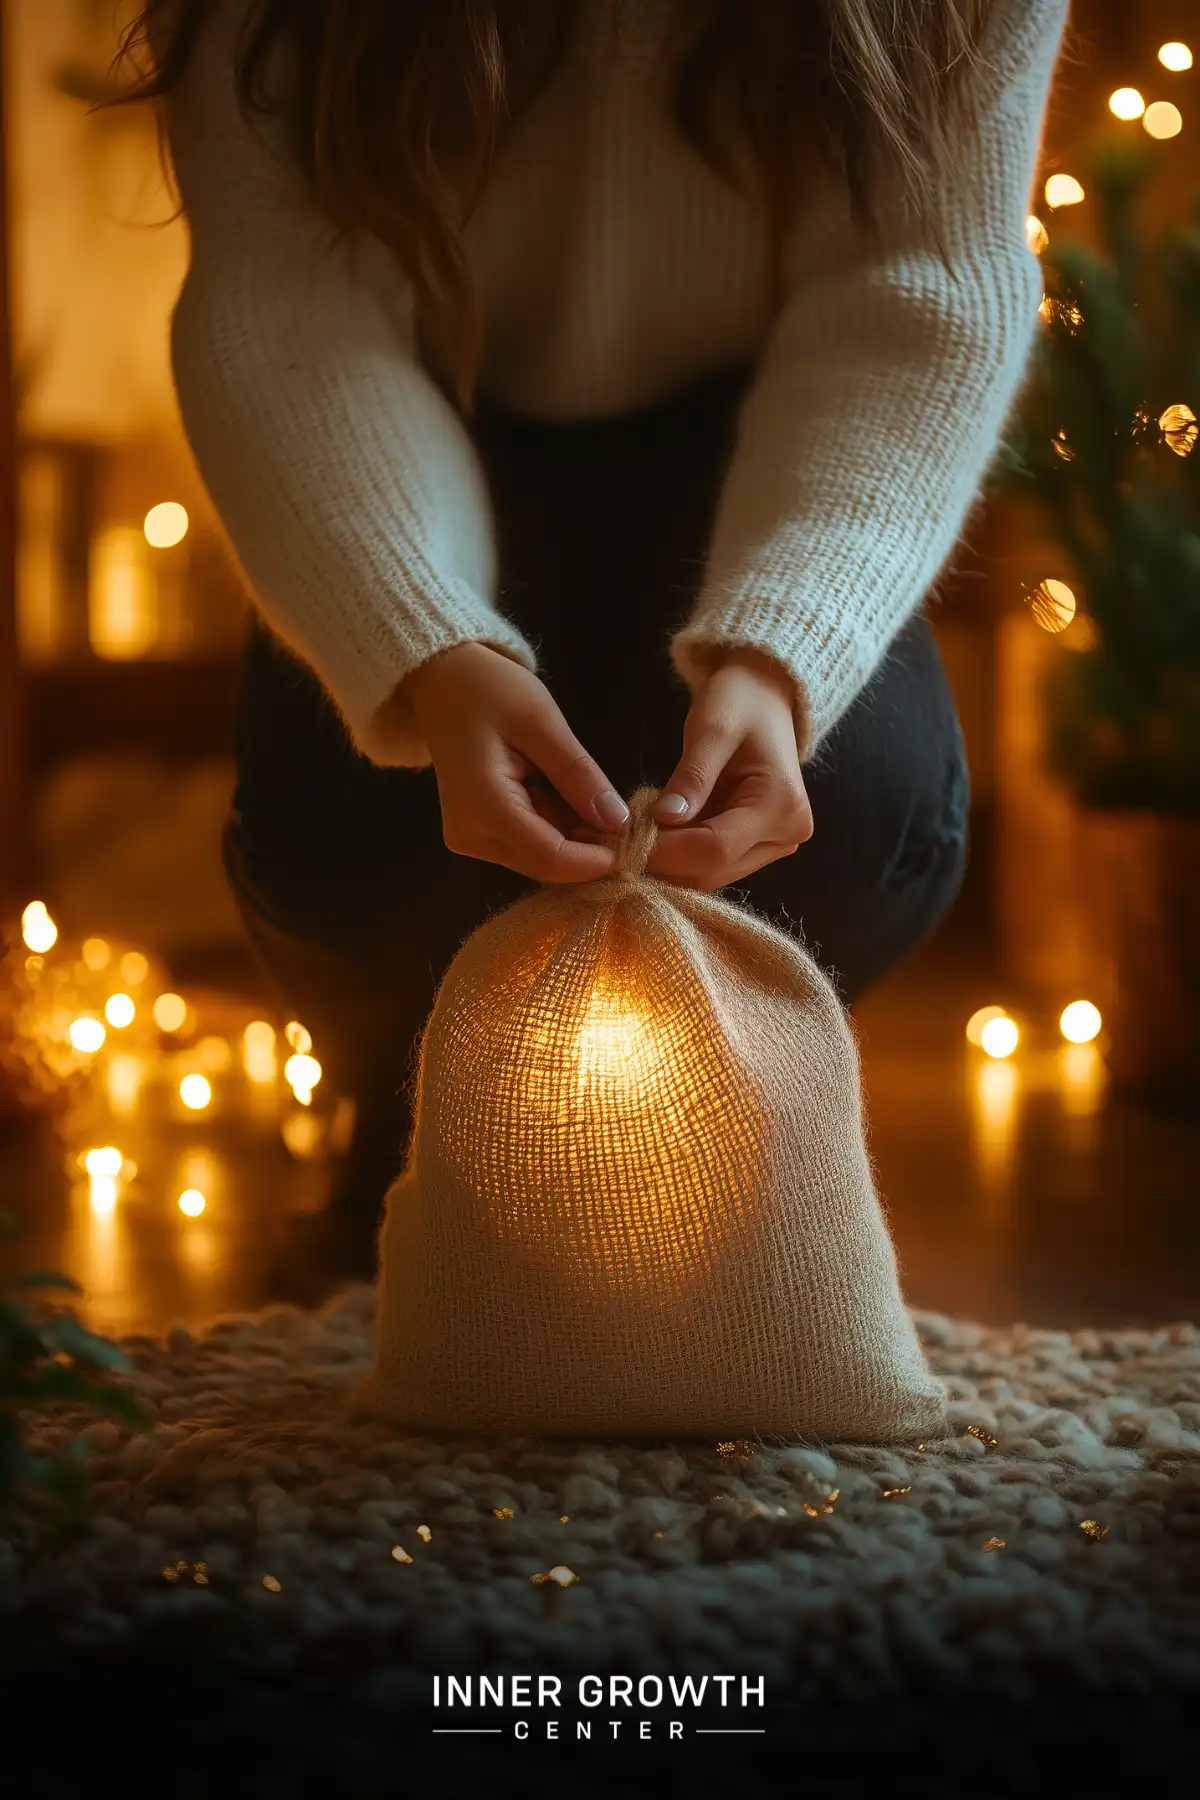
709, 740
553, 808
769, 819
501, 824
698, 864
551, 746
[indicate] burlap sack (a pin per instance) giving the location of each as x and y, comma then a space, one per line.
638, 1197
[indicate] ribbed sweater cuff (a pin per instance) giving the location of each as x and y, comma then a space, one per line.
828, 665
363, 676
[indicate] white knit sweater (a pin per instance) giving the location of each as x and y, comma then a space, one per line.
614, 270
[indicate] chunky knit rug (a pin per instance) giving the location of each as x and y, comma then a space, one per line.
1050, 1543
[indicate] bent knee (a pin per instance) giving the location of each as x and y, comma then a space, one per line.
932, 842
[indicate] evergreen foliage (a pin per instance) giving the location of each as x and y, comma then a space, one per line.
1104, 449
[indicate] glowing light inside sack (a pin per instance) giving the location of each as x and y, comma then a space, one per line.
616, 1047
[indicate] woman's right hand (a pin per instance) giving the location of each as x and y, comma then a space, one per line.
491, 728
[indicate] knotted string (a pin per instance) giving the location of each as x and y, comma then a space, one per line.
634, 843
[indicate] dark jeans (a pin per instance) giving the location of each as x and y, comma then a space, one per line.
347, 889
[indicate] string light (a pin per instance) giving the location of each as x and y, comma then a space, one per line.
1036, 235
1080, 1022
1176, 57
1126, 103
979, 1019
166, 525
86, 1035
38, 928
302, 1074
195, 1091
105, 1161
119, 1010
192, 1202
213, 1055
999, 1037
1063, 190
297, 1037
95, 954
1053, 604
1162, 120
1179, 429
170, 1011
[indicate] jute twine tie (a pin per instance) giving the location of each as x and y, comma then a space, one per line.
634, 843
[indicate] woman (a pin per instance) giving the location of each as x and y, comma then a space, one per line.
592, 393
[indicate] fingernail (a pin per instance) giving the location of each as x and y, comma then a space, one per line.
610, 809
672, 803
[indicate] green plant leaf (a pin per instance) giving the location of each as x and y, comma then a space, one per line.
42, 1278
69, 1336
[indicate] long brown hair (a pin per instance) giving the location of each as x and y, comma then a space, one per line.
401, 105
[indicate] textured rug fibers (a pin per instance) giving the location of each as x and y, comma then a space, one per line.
1053, 1535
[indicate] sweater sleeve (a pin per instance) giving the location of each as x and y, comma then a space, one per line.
878, 405
347, 483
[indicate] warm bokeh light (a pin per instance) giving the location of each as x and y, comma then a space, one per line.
303, 1134
213, 1055
297, 1037
1081, 1079
170, 1011
123, 594
123, 1079
979, 1019
195, 1091
102, 1195
1063, 190
1162, 120
302, 1074
119, 1010
996, 1096
258, 1052
1036, 235
1126, 103
38, 928
105, 1161
192, 1202
86, 1035
1080, 1022
95, 954
166, 525
134, 967
1176, 57
1179, 428
999, 1037
1053, 604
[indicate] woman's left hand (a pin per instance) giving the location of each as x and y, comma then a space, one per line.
740, 776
